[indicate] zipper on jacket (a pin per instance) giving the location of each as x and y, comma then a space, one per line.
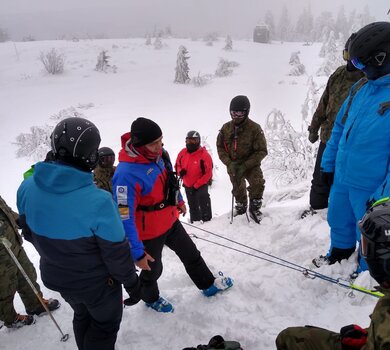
349, 130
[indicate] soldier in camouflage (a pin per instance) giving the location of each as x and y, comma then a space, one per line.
374, 227
336, 91
12, 280
241, 146
104, 171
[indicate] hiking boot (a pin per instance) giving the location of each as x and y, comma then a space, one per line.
336, 255
161, 305
20, 321
308, 212
321, 261
240, 209
220, 284
52, 304
254, 210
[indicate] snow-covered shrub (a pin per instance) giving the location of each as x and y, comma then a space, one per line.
148, 40
228, 44
182, 69
225, 67
102, 64
201, 80
3, 35
53, 61
290, 155
332, 53
158, 43
36, 144
297, 67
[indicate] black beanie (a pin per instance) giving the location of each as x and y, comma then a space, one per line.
144, 131
240, 103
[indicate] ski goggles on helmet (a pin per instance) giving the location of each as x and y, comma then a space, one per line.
192, 140
376, 60
238, 114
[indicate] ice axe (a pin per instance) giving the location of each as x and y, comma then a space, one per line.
7, 244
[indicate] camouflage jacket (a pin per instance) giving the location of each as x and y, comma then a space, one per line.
243, 143
379, 330
9, 229
103, 177
336, 91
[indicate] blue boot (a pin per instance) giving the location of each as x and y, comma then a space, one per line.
161, 305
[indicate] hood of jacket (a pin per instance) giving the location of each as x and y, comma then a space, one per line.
60, 178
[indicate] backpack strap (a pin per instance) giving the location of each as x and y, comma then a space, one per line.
354, 89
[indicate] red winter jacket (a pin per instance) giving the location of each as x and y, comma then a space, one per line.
198, 166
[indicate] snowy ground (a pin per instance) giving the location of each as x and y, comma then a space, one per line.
266, 297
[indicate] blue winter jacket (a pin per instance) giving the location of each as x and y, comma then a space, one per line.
359, 150
76, 229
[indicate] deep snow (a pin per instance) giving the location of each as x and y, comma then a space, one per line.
266, 297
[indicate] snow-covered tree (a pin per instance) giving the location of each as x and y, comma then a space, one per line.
53, 61
182, 69
201, 80
323, 25
158, 43
297, 67
36, 144
341, 24
290, 155
285, 28
270, 22
225, 67
304, 27
228, 44
148, 39
102, 64
332, 56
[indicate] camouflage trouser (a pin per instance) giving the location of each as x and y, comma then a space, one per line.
12, 281
308, 338
256, 182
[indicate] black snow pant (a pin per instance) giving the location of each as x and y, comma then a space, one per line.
199, 203
97, 316
177, 239
319, 192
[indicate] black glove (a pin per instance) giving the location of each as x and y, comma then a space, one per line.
327, 178
182, 172
313, 137
353, 337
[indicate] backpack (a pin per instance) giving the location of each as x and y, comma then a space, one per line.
218, 343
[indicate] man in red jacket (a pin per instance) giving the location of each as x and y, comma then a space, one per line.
148, 197
195, 167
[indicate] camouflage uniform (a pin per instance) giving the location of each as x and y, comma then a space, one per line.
11, 279
103, 177
312, 338
244, 143
336, 91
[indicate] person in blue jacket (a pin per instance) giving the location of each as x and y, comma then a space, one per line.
78, 233
356, 161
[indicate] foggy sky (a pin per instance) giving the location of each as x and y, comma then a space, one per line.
49, 19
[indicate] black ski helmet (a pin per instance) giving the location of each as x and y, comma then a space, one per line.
106, 157
240, 103
375, 243
76, 141
193, 135
106, 151
372, 38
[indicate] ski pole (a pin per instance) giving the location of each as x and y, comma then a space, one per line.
231, 216
7, 245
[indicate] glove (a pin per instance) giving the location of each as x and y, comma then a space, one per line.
327, 178
313, 137
237, 170
182, 172
353, 337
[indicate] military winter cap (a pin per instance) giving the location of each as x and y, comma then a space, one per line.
144, 131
